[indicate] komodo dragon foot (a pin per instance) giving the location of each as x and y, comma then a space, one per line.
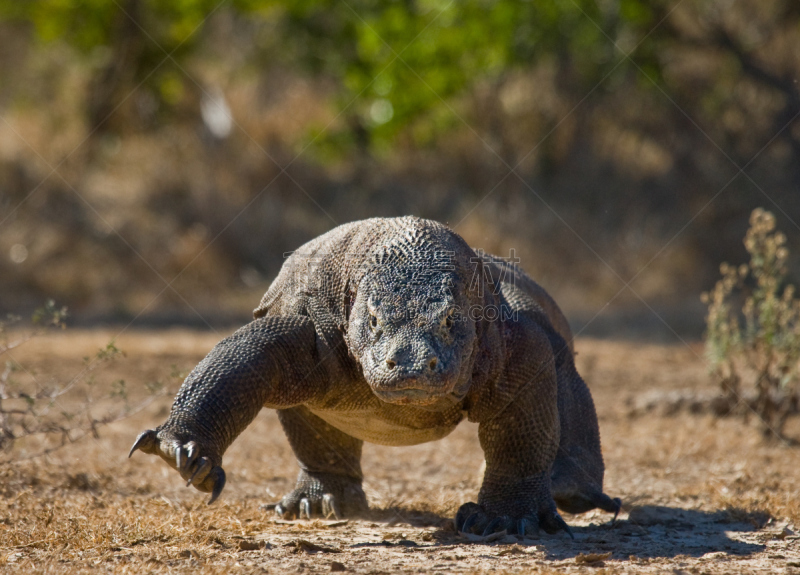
473, 518
198, 465
325, 494
519, 506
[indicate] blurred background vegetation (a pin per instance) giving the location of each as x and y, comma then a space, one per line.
158, 159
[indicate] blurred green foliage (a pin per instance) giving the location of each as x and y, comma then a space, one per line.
401, 59
395, 61
128, 41
87, 24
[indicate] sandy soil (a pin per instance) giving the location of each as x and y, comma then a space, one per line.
702, 494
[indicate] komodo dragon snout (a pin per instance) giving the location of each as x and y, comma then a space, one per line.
413, 344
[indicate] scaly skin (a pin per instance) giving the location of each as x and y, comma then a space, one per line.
392, 331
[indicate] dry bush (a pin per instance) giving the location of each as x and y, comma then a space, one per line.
755, 352
38, 418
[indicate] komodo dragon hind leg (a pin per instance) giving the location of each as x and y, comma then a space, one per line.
329, 483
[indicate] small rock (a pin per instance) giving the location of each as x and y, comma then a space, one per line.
513, 550
250, 545
592, 558
189, 554
336, 566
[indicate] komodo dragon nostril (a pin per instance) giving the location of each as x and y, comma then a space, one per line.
390, 363
432, 363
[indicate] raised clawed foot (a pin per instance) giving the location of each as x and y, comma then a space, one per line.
473, 518
325, 495
195, 464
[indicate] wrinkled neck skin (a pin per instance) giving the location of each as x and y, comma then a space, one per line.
417, 333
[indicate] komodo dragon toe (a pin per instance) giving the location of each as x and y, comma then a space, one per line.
323, 494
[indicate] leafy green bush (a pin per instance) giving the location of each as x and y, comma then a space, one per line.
394, 61
755, 352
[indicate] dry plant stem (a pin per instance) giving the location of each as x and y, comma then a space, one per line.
764, 350
33, 413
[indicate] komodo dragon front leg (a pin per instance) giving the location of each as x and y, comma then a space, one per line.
520, 441
270, 362
519, 445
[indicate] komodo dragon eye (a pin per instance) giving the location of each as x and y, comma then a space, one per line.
449, 318
373, 321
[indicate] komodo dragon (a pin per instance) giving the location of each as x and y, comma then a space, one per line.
392, 331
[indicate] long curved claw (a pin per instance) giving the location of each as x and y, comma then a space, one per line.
219, 484
552, 523
192, 451
280, 511
493, 525
568, 530
465, 512
470, 522
330, 506
561, 524
200, 473
618, 503
305, 508
146, 442
178, 457
526, 524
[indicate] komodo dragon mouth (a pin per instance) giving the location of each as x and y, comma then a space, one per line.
420, 397
427, 390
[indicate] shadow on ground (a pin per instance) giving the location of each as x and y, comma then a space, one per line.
648, 532
655, 531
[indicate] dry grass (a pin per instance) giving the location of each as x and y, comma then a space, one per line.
704, 494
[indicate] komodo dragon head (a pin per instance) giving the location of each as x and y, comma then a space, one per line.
410, 325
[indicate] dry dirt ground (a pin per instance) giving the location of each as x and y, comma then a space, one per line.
702, 494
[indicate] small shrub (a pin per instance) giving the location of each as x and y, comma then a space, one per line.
46, 417
755, 351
